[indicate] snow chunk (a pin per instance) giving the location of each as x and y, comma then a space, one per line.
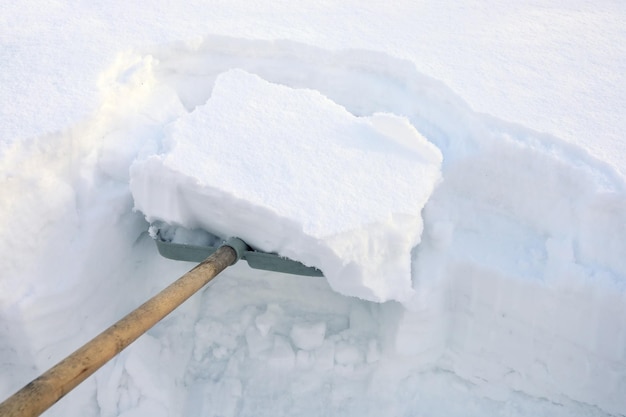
308, 336
290, 171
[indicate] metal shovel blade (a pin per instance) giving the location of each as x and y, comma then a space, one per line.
256, 259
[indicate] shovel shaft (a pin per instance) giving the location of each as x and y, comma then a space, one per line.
41, 393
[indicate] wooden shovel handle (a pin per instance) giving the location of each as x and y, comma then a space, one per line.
41, 393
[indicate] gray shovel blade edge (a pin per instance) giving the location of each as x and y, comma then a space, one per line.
257, 260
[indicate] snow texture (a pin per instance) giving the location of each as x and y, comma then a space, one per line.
518, 285
293, 173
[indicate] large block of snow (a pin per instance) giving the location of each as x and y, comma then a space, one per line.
290, 171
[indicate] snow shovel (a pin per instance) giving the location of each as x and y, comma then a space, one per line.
44, 391
256, 259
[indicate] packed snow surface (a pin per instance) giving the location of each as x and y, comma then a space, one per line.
517, 297
293, 173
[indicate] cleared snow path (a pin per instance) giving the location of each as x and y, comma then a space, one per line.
519, 280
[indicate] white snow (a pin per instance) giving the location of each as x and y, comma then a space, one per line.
517, 297
307, 336
293, 173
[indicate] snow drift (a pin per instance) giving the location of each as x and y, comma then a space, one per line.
518, 298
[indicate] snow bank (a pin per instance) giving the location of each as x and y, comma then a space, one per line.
519, 279
291, 172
